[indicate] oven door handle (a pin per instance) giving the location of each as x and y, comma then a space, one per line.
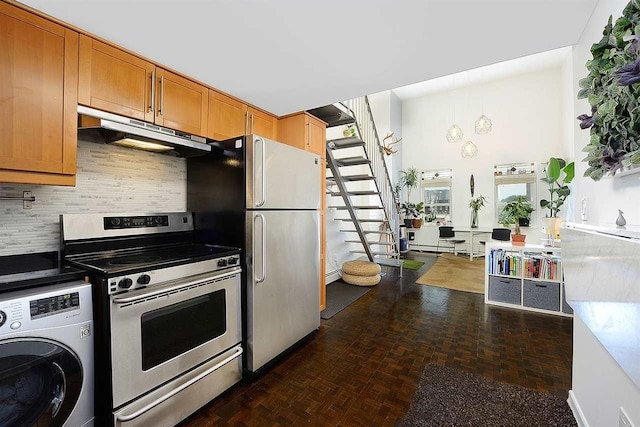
166, 289
158, 401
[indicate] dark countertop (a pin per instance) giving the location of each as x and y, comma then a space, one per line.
19, 272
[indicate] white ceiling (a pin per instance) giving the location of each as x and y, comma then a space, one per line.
290, 55
539, 61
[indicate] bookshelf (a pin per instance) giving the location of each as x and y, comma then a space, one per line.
526, 277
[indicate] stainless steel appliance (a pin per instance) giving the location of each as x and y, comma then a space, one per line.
109, 128
46, 356
168, 315
263, 196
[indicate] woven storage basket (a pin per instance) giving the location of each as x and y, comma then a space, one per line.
361, 280
360, 268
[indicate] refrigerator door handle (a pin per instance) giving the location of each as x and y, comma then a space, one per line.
262, 175
263, 247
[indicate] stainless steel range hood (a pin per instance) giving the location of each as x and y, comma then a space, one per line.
99, 126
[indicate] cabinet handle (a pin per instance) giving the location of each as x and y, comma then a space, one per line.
152, 104
246, 123
252, 127
161, 109
308, 134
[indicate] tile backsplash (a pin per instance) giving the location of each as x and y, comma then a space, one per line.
110, 179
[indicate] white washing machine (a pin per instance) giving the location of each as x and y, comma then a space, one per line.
46, 356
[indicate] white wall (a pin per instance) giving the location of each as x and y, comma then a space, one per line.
110, 179
609, 194
600, 386
528, 116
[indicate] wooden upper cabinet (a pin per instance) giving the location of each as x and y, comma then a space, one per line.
303, 131
181, 103
38, 99
121, 83
115, 81
227, 117
262, 124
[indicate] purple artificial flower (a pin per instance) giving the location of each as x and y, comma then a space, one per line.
628, 74
586, 121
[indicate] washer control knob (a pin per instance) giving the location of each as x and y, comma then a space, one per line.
144, 279
15, 325
125, 283
3, 317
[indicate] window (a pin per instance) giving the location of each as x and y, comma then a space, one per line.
436, 193
514, 180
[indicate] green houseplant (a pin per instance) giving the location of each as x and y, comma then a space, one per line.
613, 92
512, 213
409, 180
559, 175
475, 205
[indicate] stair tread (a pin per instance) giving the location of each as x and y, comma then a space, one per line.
362, 220
341, 208
356, 193
372, 243
348, 142
332, 115
385, 232
352, 161
374, 252
361, 177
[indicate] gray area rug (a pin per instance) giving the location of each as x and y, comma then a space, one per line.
450, 397
339, 296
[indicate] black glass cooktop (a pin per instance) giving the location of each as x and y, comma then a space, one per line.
110, 262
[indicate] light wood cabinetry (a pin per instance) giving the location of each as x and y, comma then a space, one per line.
38, 83
119, 82
303, 131
227, 117
262, 124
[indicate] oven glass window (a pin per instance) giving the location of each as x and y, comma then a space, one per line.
178, 328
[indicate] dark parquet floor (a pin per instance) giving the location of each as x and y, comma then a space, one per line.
364, 364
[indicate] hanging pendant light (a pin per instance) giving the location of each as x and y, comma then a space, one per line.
454, 134
469, 150
483, 125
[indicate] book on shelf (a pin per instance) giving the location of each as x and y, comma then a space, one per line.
504, 263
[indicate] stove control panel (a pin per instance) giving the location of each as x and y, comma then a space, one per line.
134, 281
123, 222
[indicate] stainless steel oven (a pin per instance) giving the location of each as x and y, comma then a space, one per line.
157, 333
168, 311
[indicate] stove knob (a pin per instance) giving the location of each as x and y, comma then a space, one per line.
222, 263
144, 279
233, 260
125, 283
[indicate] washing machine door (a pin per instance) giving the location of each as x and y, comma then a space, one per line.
40, 382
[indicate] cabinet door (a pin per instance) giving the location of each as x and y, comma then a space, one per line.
292, 131
316, 140
227, 117
115, 81
38, 83
181, 103
261, 123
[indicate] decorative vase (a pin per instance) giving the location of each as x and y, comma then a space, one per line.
417, 222
552, 227
474, 218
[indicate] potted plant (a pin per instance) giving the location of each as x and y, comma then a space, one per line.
475, 205
409, 180
511, 214
417, 215
521, 209
429, 214
559, 175
407, 209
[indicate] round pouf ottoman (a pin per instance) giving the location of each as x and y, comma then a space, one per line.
361, 273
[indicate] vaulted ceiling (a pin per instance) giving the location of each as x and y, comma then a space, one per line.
290, 55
